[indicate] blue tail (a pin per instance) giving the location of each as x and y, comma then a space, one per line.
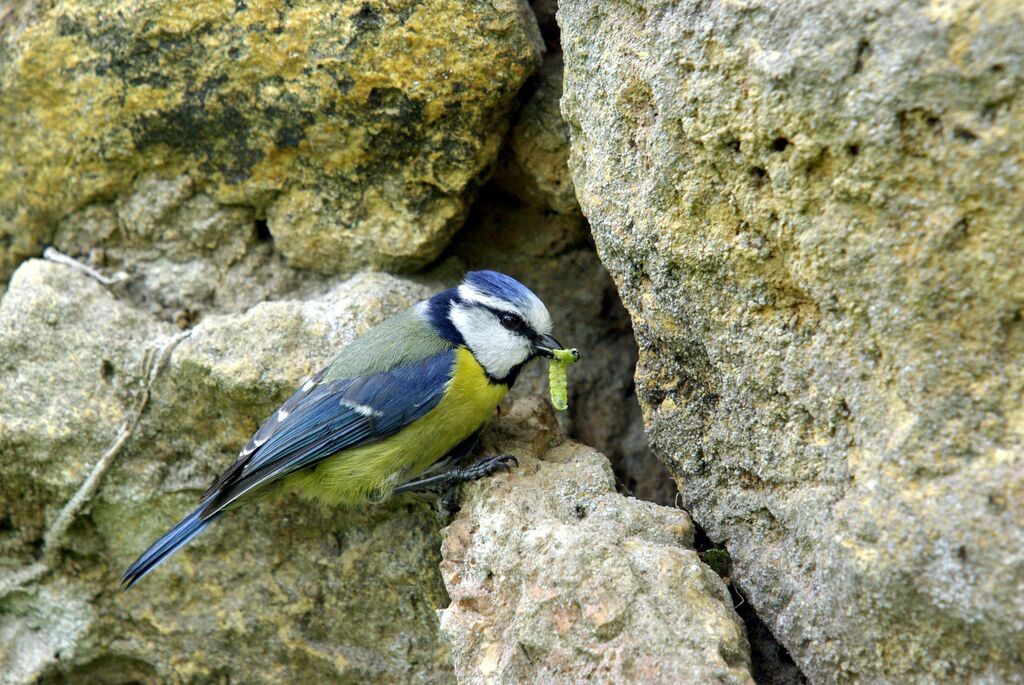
176, 538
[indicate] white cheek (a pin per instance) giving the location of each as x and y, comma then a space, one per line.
496, 348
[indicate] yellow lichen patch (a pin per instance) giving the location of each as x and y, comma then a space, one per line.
253, 99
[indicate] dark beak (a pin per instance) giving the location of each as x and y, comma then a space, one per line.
545, 346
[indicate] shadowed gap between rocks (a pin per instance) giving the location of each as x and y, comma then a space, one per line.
771, 662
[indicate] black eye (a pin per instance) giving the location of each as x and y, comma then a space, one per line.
512, 322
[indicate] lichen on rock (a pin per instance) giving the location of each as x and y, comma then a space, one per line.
358, 131
813, 216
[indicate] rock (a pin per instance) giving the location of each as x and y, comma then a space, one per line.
69, 358
357, 132
813, 216
553, 254
279, 591
535, 163
182, 255
556, 578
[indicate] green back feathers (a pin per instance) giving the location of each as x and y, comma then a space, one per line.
401, 340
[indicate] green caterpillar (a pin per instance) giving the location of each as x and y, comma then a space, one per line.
556, 376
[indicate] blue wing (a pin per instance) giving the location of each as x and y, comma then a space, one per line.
323, 418
387, 378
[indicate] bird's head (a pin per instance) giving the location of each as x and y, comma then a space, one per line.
499, 319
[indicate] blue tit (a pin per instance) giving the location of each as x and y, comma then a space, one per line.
397, 411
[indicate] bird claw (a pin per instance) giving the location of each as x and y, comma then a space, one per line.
481, 469
502, 461
506, 461
486, 467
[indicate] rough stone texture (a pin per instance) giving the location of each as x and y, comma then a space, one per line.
553, 254
69, 357
555, 578
534, 165
356, 130
180, 254
813, 213
281, 591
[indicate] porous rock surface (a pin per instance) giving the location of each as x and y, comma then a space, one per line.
358, 131
178, 253
554, 577
813, 214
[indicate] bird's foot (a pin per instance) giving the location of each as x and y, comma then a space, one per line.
480, 469
484, 467
450, 480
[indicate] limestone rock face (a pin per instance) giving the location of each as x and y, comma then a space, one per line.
357, 131
70, 357
280, 591
535, 164
556, 578
180, 254
813, 214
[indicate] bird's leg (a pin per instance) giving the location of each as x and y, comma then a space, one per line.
454, 459
459, 456
451, 479
484, 467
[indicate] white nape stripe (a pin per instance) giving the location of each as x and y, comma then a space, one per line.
361, 409
471, 294
422, 309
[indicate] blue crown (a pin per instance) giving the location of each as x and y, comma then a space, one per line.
501, 286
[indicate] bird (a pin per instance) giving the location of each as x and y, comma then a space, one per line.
399, 410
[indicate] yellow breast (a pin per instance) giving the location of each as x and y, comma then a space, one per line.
371, 471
